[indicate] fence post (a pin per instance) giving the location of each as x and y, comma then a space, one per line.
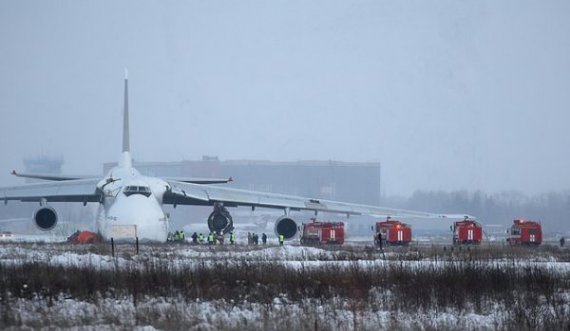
112, 247
137, 244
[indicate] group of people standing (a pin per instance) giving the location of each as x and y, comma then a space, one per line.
213, 237
178, 235
253, 238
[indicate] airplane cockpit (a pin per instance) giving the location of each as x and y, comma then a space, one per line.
132, 189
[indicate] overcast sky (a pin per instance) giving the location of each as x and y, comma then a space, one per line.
445, 94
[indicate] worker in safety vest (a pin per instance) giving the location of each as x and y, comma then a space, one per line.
232, 238
281, 239
211, 238
182, 235
201, 238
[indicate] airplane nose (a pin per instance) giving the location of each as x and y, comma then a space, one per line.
137, 216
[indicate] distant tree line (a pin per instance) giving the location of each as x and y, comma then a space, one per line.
552, 209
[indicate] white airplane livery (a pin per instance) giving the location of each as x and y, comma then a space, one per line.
130, 205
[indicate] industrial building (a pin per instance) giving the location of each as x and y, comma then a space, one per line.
357, 182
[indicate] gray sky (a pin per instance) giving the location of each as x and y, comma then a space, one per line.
446, 94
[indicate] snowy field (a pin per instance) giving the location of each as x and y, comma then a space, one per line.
51, 285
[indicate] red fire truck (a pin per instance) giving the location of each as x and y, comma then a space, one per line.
525, 232
318, 233
467, 231
393, 232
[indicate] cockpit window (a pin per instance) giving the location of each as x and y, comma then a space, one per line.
144, 190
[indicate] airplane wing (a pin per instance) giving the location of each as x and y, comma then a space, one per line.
49, 176
80, 190
197, 180
180, 193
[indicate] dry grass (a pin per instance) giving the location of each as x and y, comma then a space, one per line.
475, 280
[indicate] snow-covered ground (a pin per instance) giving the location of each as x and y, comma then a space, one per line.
102, 312
166, 314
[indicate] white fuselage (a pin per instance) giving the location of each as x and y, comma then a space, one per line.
132, 206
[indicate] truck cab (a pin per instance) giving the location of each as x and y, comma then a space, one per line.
466, 232
393, 232
524, 232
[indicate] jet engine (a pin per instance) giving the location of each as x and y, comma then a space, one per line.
45, 218
286, 226
220, 220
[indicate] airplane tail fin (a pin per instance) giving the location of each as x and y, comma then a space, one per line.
127, 160
126, 147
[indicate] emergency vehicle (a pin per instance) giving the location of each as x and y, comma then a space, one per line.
467, 231
319, 233
524, 232
393, 232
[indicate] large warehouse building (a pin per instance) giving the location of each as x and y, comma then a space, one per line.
357, 182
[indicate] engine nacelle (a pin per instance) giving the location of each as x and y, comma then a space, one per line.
286, 226
220, 220
45, 218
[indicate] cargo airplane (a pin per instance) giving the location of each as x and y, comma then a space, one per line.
130, 204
